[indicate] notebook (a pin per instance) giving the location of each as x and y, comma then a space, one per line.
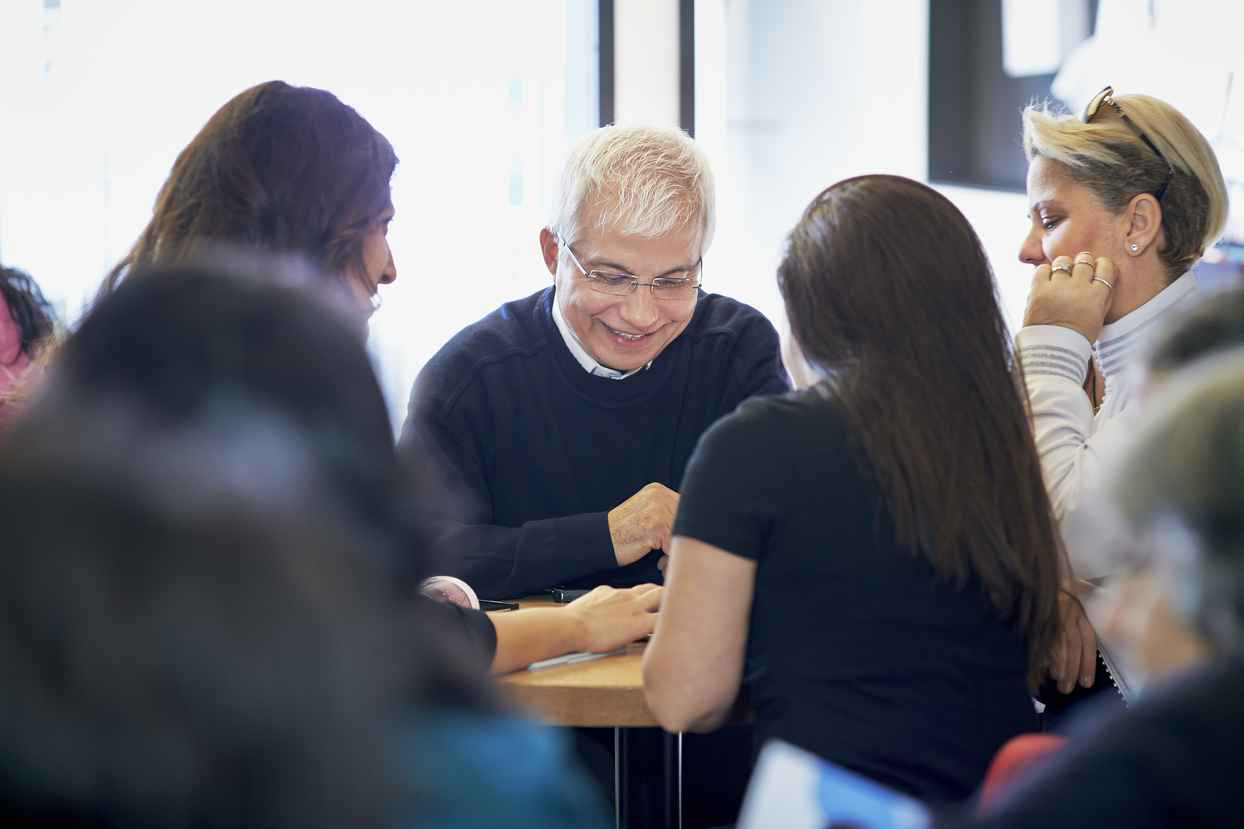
793, 789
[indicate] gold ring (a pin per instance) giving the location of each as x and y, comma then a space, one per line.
1109, 287
1084, 258
1057, 268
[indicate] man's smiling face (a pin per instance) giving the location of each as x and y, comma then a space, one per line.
625, 332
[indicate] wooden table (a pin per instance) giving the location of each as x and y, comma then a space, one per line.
602, 693
605, 692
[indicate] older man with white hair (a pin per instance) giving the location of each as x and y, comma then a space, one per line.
564, 420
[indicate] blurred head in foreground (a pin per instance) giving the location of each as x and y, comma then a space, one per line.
183, 340
1177, 490
188, 639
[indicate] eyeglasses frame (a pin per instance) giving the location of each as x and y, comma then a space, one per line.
595, 283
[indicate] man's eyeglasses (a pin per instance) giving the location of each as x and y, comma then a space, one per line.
674, 287
1106, 96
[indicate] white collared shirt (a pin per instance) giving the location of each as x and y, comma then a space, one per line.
589, 363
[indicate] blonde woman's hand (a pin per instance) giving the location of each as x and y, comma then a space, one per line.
1074, 657
1074, 295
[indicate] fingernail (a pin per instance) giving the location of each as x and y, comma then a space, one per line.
1086, 680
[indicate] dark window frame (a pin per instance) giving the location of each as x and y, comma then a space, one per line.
974, 106
686, 64
604, 18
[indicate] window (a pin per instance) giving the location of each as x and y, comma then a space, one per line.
480, 100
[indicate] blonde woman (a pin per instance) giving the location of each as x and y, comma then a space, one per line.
1123, 201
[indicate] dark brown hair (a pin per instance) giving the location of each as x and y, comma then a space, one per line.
30, 310
281, 168
889, 293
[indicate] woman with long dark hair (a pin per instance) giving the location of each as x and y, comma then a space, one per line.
292, 171
285, 170
873, 557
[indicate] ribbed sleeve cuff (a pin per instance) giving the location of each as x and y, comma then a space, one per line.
1053, 351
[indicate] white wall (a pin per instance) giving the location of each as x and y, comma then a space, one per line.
646, 62
478, 98
794, 96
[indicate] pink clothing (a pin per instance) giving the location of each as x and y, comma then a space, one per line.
13, 361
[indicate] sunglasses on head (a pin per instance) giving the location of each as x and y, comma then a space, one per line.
1106, 96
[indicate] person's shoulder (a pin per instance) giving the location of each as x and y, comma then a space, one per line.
515, 327
778, 420
811, 405
516, 330
719, 315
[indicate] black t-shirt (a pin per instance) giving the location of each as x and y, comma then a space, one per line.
469, 633
856, 650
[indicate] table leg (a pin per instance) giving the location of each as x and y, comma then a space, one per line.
673, 780
620, 787
647, 806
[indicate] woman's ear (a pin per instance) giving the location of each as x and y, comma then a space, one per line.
549, 250
1144, 224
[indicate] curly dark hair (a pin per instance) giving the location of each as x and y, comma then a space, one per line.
29, 308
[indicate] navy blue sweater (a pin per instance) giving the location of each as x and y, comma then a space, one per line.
536, 451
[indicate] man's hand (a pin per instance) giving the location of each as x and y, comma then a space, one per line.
609, 618
643, 522
1073, 295
1074, 657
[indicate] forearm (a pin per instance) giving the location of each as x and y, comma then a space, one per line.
1055, 361
693, 666
509, 562
526, 636
678, 702
679, 709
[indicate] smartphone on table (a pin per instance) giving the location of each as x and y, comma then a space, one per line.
564, 595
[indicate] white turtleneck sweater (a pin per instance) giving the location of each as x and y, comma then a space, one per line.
1071, 441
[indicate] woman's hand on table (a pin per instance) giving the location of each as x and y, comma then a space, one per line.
609, 617
1073, 294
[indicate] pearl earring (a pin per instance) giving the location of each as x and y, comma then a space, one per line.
1134, 248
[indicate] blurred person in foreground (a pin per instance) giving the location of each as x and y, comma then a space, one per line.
293, 171
872, 558
187, 643
1137, 610
183, 346
1172, 758
1123, 201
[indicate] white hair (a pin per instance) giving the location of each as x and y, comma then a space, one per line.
642, 181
